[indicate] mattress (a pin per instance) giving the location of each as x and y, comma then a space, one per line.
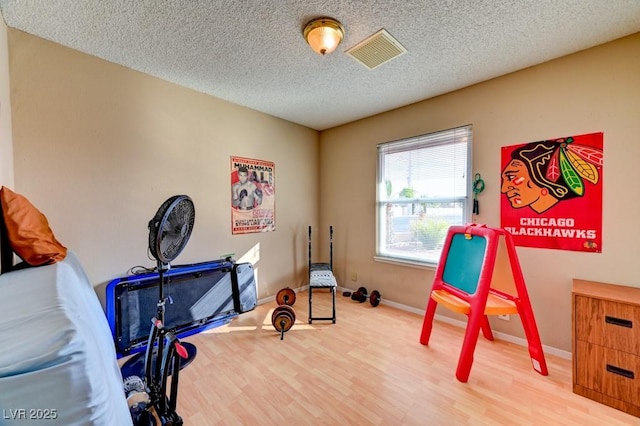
57, 363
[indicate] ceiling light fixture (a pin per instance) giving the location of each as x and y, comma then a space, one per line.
323, 34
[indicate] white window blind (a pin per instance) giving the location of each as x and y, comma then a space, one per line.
423, 188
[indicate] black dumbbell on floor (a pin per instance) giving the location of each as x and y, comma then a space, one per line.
284, 316
361, 295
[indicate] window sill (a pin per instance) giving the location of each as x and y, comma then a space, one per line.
405, 262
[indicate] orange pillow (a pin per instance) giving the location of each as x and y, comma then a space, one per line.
28, 230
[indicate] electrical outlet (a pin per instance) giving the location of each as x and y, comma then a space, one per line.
504, 317
354, 276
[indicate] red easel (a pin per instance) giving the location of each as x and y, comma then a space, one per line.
465, 283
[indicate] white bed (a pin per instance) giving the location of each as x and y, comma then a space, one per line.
57, 361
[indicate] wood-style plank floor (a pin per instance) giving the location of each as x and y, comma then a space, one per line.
370, 369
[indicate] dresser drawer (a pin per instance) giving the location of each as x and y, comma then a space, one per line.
610, 372
611, 324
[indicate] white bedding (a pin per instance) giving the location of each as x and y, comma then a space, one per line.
57, 359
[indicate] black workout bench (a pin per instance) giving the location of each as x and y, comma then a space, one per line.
321, 277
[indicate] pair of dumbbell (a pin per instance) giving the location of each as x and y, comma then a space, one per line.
361, 295
284, 316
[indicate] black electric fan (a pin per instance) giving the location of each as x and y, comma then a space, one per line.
169, 232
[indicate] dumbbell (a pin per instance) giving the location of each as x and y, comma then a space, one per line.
361, 295
283, 317
286, 296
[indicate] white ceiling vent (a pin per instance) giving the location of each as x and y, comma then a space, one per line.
376, 50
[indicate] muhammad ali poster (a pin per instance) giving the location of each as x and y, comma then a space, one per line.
252, 196
552, 193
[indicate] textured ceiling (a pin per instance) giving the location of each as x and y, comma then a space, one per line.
252, 52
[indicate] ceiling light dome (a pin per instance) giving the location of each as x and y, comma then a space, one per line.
323, 35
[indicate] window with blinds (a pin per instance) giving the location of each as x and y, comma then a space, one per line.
424, 186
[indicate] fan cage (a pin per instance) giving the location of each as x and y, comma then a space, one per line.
171, 227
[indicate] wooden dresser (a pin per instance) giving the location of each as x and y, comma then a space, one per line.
606, 344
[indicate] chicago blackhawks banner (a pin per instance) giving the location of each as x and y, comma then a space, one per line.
552, 193
252, 195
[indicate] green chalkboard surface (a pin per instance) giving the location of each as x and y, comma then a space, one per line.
464, 262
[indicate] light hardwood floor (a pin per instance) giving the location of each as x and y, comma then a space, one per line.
370, 369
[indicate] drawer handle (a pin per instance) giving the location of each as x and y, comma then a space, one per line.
620, 371
618, 321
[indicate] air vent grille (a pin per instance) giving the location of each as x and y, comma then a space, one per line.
376, 50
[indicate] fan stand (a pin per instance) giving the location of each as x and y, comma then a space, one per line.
165, 356
190, 347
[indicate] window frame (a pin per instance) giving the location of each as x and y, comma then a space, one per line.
414, 143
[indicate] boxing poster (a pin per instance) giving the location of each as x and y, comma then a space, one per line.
552, 193
252, 196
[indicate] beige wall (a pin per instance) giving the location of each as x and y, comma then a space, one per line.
6, 145
591, 91
99, 147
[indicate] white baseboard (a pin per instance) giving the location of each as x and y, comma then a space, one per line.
497, 334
